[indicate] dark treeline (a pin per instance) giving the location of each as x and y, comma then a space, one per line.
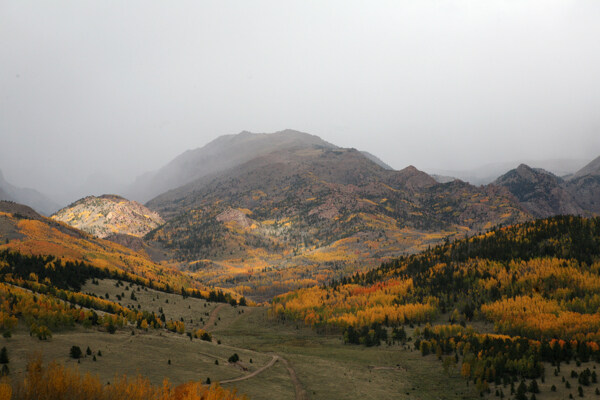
68, 275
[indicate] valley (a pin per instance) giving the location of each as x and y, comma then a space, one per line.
323, 366
293, 268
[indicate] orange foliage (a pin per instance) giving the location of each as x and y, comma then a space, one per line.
58, 382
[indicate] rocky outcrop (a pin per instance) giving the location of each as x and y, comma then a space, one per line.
109, 214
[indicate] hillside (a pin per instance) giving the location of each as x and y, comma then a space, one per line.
534, 285
543, 194
25, 231
221, 154
540, 192
27, 196
302, 215
109, 215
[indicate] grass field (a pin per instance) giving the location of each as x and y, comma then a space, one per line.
290, 360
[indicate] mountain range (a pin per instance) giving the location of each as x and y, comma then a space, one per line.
267, 213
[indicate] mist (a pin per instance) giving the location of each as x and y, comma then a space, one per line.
95, 93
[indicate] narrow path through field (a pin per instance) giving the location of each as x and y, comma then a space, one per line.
253, 374
300, 392
213, 317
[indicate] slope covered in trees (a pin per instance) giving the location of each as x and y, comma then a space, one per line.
538, 283
24, 231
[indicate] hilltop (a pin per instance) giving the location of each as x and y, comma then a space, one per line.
109, 215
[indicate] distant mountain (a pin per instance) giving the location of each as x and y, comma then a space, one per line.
544, 194
585, 185
488, 173
307, 207
221, 154
30, 197
541, 193
591, 169
109, 214
443, 178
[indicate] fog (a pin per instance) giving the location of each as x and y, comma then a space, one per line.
102, 91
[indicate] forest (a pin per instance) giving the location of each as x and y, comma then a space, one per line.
537, 283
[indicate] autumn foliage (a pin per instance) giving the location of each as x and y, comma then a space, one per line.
54, 381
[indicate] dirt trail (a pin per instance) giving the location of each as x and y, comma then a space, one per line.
213, 317
300, 392
253, 374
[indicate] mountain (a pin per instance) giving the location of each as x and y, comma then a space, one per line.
541, 193
303, 214
109, 214
488, 173
30, 197
585, 185
221, 154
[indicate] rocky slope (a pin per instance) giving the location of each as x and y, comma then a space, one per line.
108, 215
543, 194
540, 192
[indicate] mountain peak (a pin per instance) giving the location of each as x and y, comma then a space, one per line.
524, 167
221, 154
540, 192
412, 177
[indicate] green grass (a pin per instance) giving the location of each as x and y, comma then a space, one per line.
325, 367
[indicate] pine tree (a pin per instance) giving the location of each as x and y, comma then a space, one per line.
3, 356
75, 352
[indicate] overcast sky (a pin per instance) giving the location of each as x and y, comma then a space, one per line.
122, 87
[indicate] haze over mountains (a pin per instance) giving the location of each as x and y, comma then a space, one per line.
488, 173
26, 196
221, 154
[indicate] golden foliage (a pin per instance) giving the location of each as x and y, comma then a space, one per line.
57, 382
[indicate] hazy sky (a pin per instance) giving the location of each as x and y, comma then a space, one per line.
122, 87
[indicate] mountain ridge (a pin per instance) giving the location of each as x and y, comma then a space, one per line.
220, 154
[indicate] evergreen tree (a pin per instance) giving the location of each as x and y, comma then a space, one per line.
75, 352
4, 356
